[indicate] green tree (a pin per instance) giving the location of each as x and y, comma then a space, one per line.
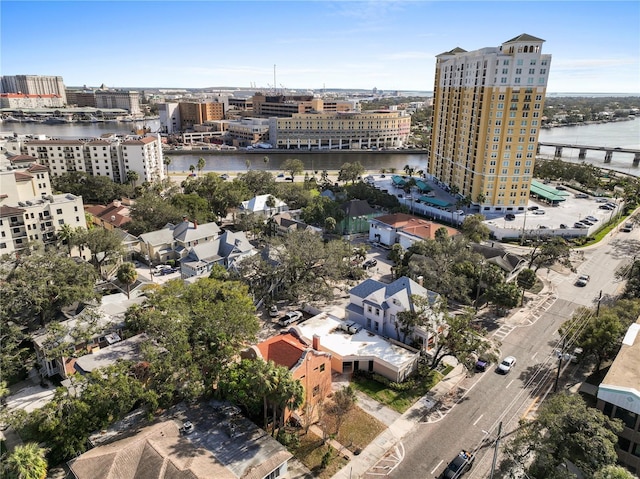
503, 295
127, 275
167, 162
201, 164
351, 172
548, 251
526, 280
132, 177
613, 472
105, 246
565, 428
319, 209
474, 229
41, 284
66, 235
27, 461
150, 212
192, 168
258, 182
193, 207
221, 195
344, 400
293, 167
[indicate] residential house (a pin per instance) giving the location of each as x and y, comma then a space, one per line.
85, 332
226, 250
375, 306
114, 215
202, 441
285, 223
267, 205
101, 357
511, 264
353, 348
307, 364
619, 397
404, 229
175, 241
357, 216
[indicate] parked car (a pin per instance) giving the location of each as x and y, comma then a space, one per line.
482, 365
563, 226
580, 226
533, 208
459, 212
290, 317
586, 222
581, 195
370, 263
601, 200
627, 228
273, 311
607, 207
510, 216
460, 465
506, 365
538, 212
582, 280
560, 187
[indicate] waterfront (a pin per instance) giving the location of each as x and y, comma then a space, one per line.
624, 134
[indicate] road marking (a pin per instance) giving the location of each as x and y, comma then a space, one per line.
435, 468
534, 355
478, 420
510, 383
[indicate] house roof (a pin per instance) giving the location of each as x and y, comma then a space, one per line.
158, 451
259, 203
21, 158
142, 141
10, 210
525, 37
228, 245
284, 349
363, 344
498, 256
414, 226
354, 208
223, 444
399, 291
127, 350
184, 232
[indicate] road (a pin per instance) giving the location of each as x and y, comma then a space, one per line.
486, 399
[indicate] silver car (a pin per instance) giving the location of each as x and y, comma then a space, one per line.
506, 364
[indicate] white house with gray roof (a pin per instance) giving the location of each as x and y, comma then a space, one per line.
375, 306
259, 205
226, 250
175, 241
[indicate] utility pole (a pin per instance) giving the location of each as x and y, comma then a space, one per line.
598, 308
555, 387
495, 451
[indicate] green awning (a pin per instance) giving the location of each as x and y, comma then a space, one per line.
549, 193
423, 187
398, 181
435, 202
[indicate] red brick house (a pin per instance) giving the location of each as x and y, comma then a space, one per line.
306, 363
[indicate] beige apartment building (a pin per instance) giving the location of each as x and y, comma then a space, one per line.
112, 157
341, 130
487, 113
197, 113
127, 100
22, 100
28, 209
267, 106
34, 85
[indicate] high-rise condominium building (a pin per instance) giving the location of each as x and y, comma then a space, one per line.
486, 119
33, 85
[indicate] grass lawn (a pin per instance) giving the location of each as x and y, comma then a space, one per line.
398, 400
357, 430
310, 453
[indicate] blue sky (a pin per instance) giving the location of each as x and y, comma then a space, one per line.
390, 45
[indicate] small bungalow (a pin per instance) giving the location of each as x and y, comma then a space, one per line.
267, 205
226, 250
404, 229
357, 216
175, 241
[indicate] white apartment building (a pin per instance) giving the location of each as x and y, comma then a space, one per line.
28, 209
22, 100
34, 85
487, 113
169, 117
127, 100
111, 157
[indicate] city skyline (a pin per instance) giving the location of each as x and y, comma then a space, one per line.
388, 45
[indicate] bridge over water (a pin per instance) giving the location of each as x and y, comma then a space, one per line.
582, 151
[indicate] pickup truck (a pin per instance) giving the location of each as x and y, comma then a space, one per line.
459, 465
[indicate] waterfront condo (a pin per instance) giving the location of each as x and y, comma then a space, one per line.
487, 114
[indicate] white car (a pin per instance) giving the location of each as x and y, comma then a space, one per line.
582, 280
593, 219
290, 317
506, 364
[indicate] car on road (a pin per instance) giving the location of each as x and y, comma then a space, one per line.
460, 465
290, 317
370, 263
582, 280
273, 311
627, 228
506, 365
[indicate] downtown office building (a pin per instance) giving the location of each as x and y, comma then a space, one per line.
487, 113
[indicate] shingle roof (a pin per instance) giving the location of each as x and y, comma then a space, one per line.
284, 350
10, 210
357, 208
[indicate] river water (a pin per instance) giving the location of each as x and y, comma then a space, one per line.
624, 134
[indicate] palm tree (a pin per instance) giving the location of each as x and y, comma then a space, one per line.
127, 275
132, 177
66, 234
167, 162
27, 462
201, 165
266, 161
192, 168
